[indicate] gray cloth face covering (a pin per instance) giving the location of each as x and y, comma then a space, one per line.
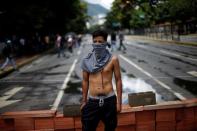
97, 59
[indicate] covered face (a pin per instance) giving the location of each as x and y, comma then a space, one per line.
98, 58
99, 46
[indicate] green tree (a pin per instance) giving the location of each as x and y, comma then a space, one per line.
23, 17
140, 14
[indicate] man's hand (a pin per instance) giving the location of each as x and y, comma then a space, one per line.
82, 105
119, 107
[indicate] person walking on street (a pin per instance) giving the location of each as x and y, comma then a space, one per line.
70, 43
60, 45
99, 100
113, 41
121, 38
8, 54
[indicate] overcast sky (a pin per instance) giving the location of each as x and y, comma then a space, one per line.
106, 3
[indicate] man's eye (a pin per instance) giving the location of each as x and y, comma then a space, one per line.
97, 41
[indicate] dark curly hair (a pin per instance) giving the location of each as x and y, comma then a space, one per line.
102, 33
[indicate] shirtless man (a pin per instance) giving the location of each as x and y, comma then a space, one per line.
99, 101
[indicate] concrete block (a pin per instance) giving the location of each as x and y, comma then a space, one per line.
71, 110
142, 98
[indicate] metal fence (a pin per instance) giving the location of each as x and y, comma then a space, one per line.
168, 31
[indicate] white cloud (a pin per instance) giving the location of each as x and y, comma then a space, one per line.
106, 3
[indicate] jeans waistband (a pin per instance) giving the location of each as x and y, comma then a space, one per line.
102, 96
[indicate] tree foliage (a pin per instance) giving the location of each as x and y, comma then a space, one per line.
43, 16
139, 13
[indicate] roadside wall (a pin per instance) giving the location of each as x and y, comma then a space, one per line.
167, 116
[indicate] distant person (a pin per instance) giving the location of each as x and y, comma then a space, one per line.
60, 45
79, 39
8, 54
70, 43
113, 41
46, 41
99, 100
121, 39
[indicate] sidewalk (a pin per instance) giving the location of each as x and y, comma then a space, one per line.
21, 61
185, 42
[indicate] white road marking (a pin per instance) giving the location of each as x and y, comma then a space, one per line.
193, 73
4, 99
177, 55
39, 60
28, 67
156, 80
64, 86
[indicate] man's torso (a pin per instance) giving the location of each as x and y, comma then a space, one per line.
101, 82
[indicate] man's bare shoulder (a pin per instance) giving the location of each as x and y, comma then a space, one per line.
114, 58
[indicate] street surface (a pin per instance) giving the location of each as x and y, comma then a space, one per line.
49, 82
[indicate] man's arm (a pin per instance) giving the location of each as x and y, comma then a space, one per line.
85, 87
118, 83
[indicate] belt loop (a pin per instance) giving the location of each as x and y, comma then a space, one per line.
101, 102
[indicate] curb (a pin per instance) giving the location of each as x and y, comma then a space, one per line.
169, 41
23, 63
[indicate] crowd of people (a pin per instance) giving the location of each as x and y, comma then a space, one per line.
65, 44
19, 46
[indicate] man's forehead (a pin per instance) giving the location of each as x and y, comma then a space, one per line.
99, 37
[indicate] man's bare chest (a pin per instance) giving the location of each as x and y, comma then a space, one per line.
105, 73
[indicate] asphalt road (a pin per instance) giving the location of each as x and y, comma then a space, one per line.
49, 82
